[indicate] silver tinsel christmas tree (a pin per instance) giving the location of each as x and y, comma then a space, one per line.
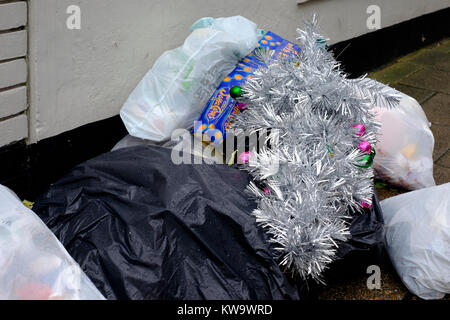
322, 140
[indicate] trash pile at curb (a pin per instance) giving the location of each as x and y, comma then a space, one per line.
247, 172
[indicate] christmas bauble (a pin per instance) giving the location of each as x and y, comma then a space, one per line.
236, 92
365, 204
360, 129
244, 157
365, 147
368, 159
242, 106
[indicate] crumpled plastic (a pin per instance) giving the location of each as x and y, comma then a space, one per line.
33, 263
142, 227
417, 235
174, 92
405, 149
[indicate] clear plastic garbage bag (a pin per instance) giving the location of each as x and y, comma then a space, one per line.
33, 263
417, 235
405, 148
174, 92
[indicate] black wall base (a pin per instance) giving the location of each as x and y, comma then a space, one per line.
29, 170
372, 50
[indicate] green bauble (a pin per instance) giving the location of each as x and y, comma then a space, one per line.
368, 159
236, 92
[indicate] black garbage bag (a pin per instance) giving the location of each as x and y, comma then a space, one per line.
362, 249
142, 227
366, 231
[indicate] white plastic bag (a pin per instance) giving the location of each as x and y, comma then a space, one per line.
33, 263
174, 92
417, 235
405, 148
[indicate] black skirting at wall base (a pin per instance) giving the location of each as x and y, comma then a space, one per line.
372, 50
30, 169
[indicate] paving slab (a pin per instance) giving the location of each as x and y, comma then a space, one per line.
441, 140
437, 109
444, 161
395, 72
388, 191
421, 95
434, 59
356, 289
443, 46
411, 55
434, 80
441, 174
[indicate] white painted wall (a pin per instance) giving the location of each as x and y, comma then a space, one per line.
13, 72
81, 76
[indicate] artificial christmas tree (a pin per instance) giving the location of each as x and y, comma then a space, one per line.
317, 170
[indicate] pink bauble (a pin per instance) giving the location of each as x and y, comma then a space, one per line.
242, 106
365, 147
244, 157
267, 191
366, 205
360, 129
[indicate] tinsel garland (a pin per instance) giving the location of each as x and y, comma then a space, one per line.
312, 169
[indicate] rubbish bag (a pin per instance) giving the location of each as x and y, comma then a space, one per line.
174, 92
405, 148
366, 231
417, 235
33, 263
142, 227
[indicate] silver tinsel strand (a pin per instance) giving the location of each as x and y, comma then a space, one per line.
310, 106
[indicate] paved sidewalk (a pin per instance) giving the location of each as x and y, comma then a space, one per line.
424, 75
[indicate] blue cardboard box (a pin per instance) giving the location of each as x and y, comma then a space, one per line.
221, 108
